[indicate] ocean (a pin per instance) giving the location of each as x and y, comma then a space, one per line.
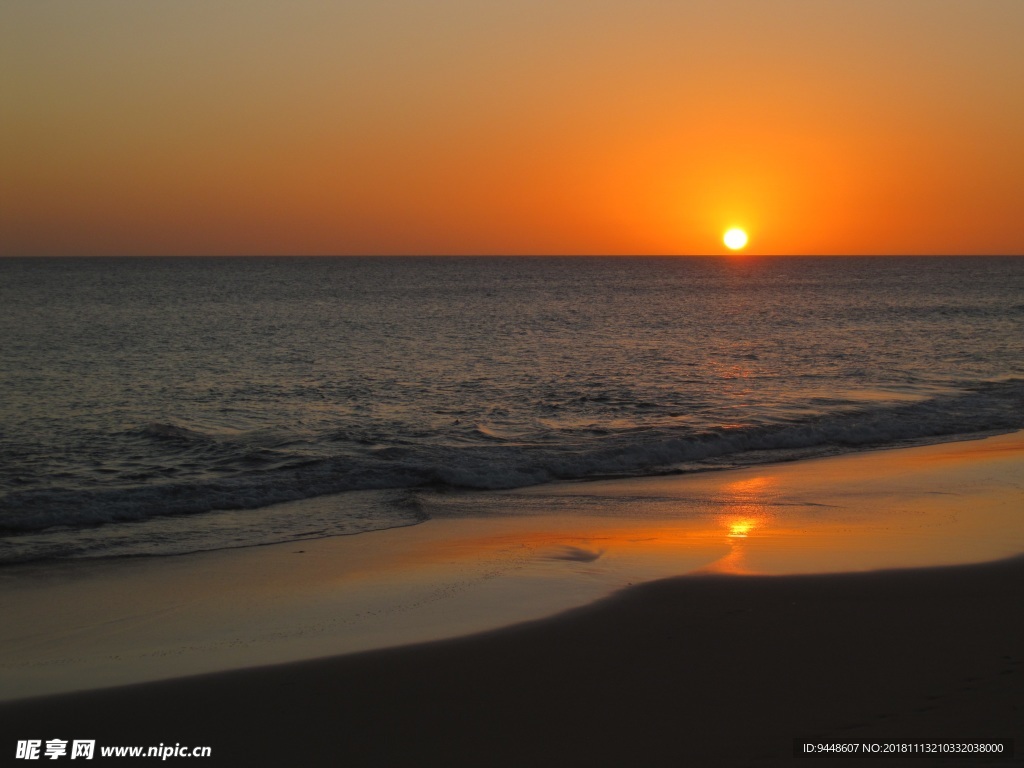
158, 406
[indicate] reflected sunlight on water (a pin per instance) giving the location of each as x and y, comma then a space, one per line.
144, 397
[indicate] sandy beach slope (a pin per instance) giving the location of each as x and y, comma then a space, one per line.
724, 666
709, 671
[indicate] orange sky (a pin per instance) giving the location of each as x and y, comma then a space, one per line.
470, 126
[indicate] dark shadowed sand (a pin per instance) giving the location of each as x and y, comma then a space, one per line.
705, 671
725, 666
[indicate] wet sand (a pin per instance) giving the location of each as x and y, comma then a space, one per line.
713, 668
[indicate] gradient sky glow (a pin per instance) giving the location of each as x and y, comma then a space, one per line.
471, 126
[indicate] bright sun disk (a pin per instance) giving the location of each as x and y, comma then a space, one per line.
735, 239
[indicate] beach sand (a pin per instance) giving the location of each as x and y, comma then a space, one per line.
716, 667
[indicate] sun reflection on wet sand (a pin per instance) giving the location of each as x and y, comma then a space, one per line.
933, 505
739, 529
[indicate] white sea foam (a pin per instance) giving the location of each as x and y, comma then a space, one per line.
989, 408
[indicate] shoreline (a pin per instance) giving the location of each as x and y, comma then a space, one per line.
624, 620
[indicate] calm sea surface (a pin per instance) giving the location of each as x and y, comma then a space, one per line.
157, 406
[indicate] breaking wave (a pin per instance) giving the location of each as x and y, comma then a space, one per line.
264, 475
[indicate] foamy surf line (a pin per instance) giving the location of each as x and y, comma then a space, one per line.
531, 553
251, 508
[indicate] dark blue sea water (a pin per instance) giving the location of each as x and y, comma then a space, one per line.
156, 406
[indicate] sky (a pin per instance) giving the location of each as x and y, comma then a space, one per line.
492, 127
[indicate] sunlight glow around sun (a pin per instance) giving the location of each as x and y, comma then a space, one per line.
735, 239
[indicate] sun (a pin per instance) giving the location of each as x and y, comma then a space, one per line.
735, 239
